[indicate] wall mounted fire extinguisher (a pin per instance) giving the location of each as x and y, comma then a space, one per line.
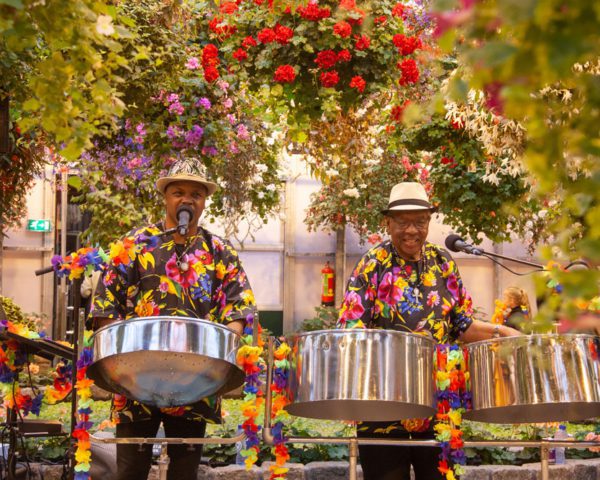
327, 285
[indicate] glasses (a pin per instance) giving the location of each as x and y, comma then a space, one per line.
404, 225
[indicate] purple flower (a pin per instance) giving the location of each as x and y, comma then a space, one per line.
228, 103
194, 135
231, 118
209, 151
176, 108
204, 102
172, 98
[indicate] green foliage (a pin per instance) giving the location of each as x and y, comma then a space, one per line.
457, 169
59, 65
542, 61
325, 319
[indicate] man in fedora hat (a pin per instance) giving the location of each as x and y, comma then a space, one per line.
408, 284
179, 269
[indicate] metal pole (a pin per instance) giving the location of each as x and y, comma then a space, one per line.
267, 436
544, 454
163, 462
61, 318
352, 459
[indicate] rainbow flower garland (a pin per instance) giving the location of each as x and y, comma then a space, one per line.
84, 260
278, 412
248, 358
453, 398
83, 453
13, 359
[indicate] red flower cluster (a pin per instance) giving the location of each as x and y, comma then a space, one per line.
406, 45
410, 72
248, 42
381, 20
400, 10
362, 42
313, 12
398, 111
329, 79
223, 30
210, 61
328, 58
358, 14
449, 161
228, 8
279, 34
359, 83
285, 74
240, 55
342, 29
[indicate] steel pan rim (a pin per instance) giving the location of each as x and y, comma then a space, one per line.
532, 337
365, 331
156, 318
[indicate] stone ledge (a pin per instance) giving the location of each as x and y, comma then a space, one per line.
572, 470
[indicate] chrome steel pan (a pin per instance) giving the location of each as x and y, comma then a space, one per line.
535, 378
374, 375
166, 361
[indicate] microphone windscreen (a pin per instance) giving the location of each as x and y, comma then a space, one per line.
185, 208
451, 242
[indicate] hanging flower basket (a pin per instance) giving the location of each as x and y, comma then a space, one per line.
314, 59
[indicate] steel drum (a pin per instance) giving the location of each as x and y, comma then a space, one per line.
535, 378
370, 375
166, 361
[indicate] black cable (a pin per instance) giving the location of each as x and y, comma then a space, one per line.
512, 271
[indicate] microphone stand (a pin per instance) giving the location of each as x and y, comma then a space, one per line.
510, 259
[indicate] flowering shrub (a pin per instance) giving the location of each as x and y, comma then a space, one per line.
195, 113
319, 58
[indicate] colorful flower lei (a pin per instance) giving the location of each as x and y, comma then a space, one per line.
453, 398
499, 315
83, 453
278, 412
13, 359
248, 358
84, 260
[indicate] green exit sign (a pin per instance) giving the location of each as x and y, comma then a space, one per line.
38, 225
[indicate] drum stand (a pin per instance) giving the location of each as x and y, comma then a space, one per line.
353, 442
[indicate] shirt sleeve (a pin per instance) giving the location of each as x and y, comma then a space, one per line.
461, 316
358, 303
233, 298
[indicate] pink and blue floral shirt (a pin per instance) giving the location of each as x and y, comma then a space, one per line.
423, 297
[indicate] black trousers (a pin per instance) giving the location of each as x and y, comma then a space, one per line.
134, 461
387, 462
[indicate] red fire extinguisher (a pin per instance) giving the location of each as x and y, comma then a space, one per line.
327, 285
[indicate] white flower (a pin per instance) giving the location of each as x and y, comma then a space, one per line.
271, 188
332, 172
104, 25
352, 192
261, 167
261, 195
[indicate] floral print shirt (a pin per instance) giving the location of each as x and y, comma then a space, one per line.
144, 279
422, 297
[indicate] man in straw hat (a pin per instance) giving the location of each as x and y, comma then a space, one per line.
408, 284
191, 273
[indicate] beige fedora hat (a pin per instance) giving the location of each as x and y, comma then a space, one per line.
407, 196
189, 169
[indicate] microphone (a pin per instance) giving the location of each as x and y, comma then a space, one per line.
456, 244
184, 216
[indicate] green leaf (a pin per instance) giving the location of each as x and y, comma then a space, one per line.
276, 91
12, 3
31, 105
75, 182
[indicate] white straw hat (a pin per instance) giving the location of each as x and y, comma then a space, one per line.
189, 169
408, 196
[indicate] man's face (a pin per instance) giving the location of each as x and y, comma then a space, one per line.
408, 231
188, 193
